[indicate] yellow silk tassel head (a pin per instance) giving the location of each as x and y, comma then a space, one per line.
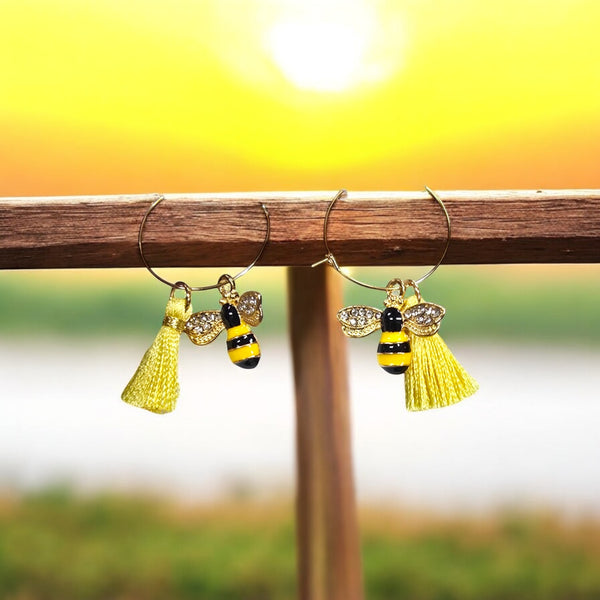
435, 378
155, 386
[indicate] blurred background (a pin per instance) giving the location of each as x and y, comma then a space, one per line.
497, 497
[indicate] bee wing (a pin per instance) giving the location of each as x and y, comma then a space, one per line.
250, 308
423, 319
359, 321
203, 327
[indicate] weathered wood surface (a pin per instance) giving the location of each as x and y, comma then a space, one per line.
329, 564
367, 228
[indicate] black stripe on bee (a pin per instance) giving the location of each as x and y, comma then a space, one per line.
248, 363
241, 340
396, 370
400, 347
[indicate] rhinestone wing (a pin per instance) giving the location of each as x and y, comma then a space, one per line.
359, 321
203, 327
250, 308
423, 319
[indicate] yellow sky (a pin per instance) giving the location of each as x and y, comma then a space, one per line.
140, 95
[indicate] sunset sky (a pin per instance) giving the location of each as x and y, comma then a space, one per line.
222, 95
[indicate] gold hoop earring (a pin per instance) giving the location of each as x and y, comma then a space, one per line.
155, 386
409, 340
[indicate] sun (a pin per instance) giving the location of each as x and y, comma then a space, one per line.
330, 48
323, 57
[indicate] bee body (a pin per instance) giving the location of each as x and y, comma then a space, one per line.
393, 351
242, 347
237, 315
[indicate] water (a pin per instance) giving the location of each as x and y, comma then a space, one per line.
528, 438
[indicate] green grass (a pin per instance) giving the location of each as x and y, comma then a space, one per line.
56, 546
493, 303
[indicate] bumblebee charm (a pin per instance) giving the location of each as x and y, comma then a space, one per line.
236, 315
394, 350
409, 344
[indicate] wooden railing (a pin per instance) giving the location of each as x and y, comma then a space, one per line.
368, 228
383, 228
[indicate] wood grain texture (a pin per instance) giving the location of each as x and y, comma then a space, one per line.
329, 564
367, 228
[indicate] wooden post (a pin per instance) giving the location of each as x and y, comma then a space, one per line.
328, 545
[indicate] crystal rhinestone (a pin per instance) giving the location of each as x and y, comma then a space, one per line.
352, 322
353, 312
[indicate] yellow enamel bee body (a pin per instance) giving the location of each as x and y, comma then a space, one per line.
236, 315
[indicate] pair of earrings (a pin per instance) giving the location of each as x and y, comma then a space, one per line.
409, 340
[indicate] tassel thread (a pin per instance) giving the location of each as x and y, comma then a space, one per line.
435, 378
155, 386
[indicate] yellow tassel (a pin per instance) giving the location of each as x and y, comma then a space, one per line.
435, 378
154, 386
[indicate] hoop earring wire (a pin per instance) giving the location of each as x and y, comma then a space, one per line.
181, 285
331, 260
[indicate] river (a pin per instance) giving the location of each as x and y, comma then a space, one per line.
527, 439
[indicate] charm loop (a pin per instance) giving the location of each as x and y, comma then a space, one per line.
179, 284
396, 288
330, 258
413, 284
227, 289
